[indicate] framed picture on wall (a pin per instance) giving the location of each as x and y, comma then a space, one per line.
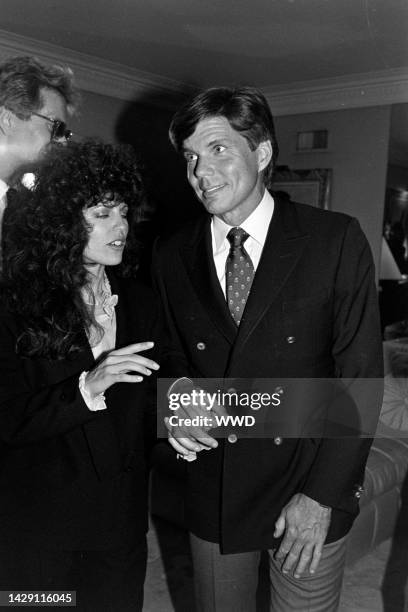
305, 186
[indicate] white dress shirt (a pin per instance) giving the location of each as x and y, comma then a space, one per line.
105, 316
256, 225
3, 199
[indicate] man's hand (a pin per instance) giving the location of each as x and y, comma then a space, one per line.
189, 439
305, 523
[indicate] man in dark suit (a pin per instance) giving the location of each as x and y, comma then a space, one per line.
262, 287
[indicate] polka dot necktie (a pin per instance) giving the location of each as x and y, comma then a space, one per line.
239, 273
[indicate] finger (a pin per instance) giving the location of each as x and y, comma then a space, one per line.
279, 526
133, 348
178, 447
127, 366
148, 363
128, 378
185, 443
292, 558
131, 358
195, 433
190, 457
219, 410
317, 553
304, 560
184, 446
286, 544
207, 442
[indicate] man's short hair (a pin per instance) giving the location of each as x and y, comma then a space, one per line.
245, 108
22, 79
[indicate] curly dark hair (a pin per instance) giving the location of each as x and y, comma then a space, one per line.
45, 234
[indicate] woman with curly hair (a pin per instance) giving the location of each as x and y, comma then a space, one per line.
77, 352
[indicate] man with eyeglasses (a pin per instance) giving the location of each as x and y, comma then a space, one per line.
35, 101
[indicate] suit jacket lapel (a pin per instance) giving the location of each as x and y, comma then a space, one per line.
100, 434
198, 259
283, 248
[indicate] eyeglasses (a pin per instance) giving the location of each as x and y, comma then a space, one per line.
59, 128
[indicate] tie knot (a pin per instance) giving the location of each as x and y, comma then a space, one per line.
237, 236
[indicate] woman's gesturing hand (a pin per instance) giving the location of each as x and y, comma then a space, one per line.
118, 366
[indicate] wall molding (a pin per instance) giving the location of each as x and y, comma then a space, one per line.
118, 81
352, 91
93, 74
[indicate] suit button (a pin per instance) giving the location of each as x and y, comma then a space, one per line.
278, 441
201, 346
63, 396
279, 390
290, 339
232, 438
231, 390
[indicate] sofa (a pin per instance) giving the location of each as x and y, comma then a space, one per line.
386, 470
387, 465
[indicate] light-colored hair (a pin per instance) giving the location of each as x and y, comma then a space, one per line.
22, 79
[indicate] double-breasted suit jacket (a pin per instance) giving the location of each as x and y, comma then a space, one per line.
71, 478
311, 313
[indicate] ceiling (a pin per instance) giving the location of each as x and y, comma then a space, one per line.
200, 43
207, 42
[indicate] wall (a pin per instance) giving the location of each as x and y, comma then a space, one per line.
357, 154
144, 124
97, 117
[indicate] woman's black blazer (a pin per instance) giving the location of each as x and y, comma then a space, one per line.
70, 477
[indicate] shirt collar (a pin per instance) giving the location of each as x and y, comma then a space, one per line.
256, 225
3, 189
